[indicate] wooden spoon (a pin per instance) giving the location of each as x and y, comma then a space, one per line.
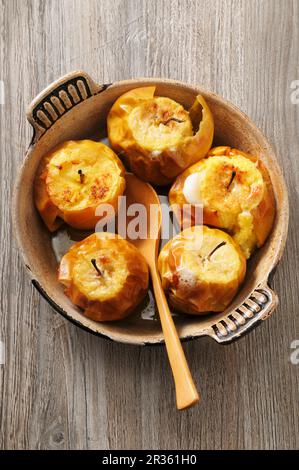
138, 191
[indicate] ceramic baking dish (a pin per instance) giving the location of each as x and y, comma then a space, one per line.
75, 107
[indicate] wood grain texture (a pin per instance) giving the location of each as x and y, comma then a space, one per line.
62, 388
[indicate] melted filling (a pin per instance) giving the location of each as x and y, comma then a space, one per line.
99, 273
159, 123
208, 257
78, 178
232, 187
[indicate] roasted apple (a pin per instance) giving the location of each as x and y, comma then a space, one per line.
74, 179
235, 191
105, 275
156, 136
201, 270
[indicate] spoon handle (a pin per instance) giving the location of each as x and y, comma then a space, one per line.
186, 393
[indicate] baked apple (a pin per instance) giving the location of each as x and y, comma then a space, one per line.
74, 179
156, 136
201, 270
235, 191
105, 275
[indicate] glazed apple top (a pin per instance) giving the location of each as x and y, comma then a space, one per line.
74, 179
202, 269
82, 174
104, 274
159, 123
235, 192
228, 185
157, 136
201, 252
97, 269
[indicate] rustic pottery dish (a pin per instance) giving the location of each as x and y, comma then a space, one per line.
75, 107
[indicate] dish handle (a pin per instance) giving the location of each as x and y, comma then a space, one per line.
258, 306
58, 98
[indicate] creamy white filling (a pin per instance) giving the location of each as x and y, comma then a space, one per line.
156, 153
191, 189
186, 277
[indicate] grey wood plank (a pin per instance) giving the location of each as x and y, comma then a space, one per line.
62, 388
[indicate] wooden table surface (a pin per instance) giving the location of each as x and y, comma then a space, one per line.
62, 388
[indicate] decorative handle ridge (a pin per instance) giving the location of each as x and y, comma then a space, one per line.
257, 307
58, 98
